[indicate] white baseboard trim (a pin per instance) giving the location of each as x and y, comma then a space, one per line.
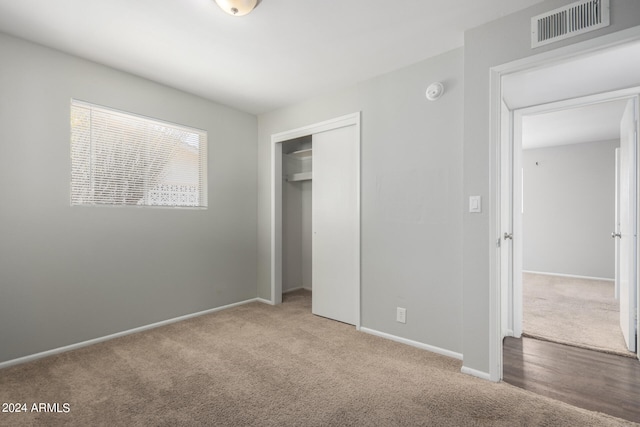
296, 289
476, 373
507, 333
412, 343
573, 276
266, 301
76, 346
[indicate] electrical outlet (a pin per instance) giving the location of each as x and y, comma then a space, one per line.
401, 315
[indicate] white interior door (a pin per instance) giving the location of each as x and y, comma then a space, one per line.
512, 211
627, 230
335, 224
505, 244
616, 226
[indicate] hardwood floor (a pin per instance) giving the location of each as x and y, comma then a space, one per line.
588, 379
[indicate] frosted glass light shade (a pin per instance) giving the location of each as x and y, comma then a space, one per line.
237, 7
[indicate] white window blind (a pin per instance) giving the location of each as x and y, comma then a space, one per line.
124, 159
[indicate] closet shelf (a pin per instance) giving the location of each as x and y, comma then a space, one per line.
302, 176
302, 153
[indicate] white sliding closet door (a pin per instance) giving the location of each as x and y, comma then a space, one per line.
335, 224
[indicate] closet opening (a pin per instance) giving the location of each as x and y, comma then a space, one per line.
315, 221
297, 187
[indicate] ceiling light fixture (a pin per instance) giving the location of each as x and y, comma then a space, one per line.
237, 7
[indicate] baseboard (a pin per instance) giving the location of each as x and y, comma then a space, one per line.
475, 373
296, 289
573, 276
266, 301
76, 346
412, 343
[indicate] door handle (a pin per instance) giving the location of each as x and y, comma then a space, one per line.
508, 236
614, 235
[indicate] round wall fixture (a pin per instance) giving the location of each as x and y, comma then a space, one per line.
435, 91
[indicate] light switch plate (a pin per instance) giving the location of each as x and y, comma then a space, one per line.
475, 204
401, 315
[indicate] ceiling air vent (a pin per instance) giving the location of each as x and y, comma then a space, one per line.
573, 19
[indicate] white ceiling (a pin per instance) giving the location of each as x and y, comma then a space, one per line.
597, 72
600, 71
592, 123
282, 53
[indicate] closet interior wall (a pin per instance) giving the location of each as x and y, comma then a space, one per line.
296, 214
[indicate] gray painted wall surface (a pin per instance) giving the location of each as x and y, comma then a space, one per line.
569, 209
291, 228
411, 181
499, 42
291, 235
307, 234
72, 274
296, 226
296, 235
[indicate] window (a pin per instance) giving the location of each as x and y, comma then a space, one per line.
124, 159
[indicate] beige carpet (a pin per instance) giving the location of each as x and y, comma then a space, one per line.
579, 312
270, 366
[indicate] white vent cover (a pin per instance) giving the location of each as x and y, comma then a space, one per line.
568, 21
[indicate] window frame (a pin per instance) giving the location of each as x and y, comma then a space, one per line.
202, 153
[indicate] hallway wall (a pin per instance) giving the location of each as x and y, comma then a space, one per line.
569, 207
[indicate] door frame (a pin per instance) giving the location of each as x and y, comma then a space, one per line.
276, 198
496, 129
514, 143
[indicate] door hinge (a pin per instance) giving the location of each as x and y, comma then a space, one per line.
498, 244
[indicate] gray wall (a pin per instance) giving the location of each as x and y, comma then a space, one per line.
307, 236
411, 181
569, 197
296, 235
296, 219
499, 42
291, 235
72, 274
